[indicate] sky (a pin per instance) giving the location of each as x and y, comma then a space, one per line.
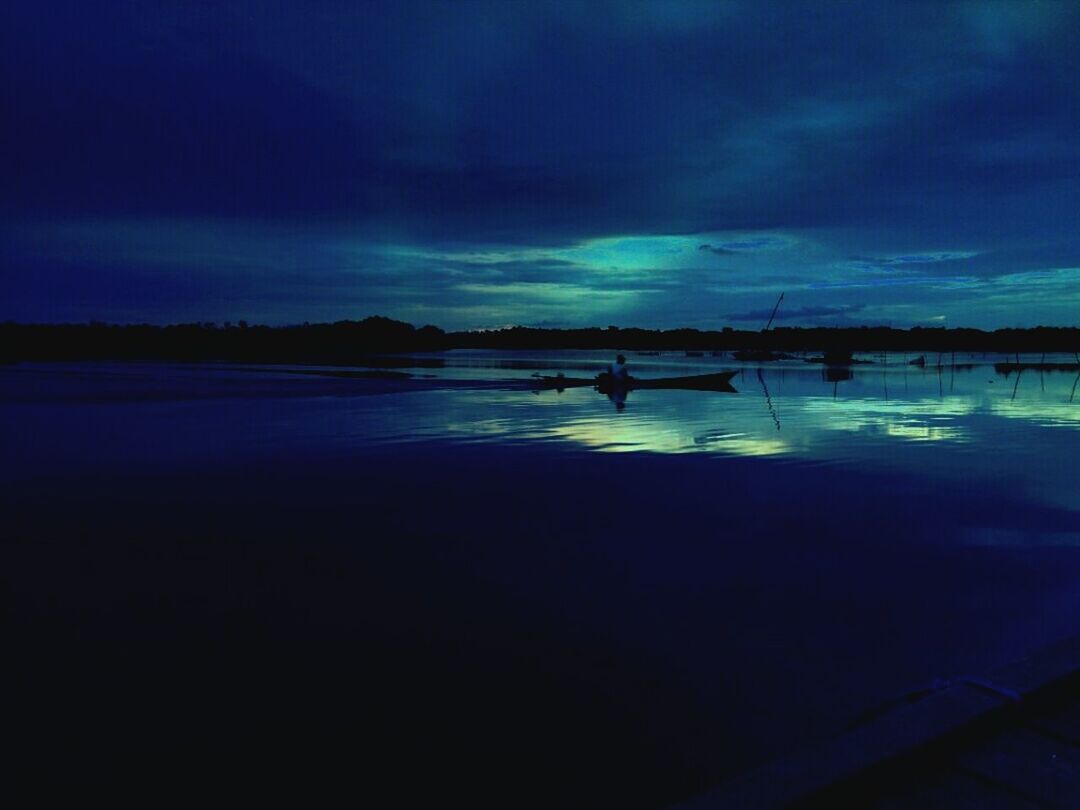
561, 164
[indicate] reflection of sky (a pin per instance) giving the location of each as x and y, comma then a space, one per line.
968, 424
979, 430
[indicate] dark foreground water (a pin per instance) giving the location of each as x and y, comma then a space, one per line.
224, 582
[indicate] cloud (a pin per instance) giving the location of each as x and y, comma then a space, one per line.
912, 261
804, 313
718, 250
737, 246
750, 118
301, 145
893, 281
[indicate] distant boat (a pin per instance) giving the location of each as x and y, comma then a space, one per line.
838, 357
763, 355
918, 361
695, 354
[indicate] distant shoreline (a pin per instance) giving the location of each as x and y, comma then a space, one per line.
358, 342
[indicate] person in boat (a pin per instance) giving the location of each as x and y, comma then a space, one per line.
618, 372
615, 382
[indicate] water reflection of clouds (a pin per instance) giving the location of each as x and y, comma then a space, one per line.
811, 432
923, 432
742, 444
622, 434
923, 420
1045, 412
978, 430
666, 422
957, 438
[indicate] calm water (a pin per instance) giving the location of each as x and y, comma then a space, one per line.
497, 586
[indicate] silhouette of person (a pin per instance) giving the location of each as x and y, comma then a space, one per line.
618, 372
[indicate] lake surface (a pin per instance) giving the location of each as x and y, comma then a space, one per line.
524, 597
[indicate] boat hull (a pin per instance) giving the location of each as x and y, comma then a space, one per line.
605, 384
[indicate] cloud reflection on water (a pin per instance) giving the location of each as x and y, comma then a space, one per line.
957, 425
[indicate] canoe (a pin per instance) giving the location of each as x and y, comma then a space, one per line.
698, 382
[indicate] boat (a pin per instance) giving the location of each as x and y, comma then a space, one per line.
605, 382
763, 355
838, 357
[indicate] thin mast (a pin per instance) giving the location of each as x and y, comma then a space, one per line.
778, 300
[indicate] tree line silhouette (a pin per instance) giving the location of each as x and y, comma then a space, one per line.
346, 342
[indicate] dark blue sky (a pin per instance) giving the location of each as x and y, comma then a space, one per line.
478, 164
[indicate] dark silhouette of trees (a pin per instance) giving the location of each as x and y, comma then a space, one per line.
346, 342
